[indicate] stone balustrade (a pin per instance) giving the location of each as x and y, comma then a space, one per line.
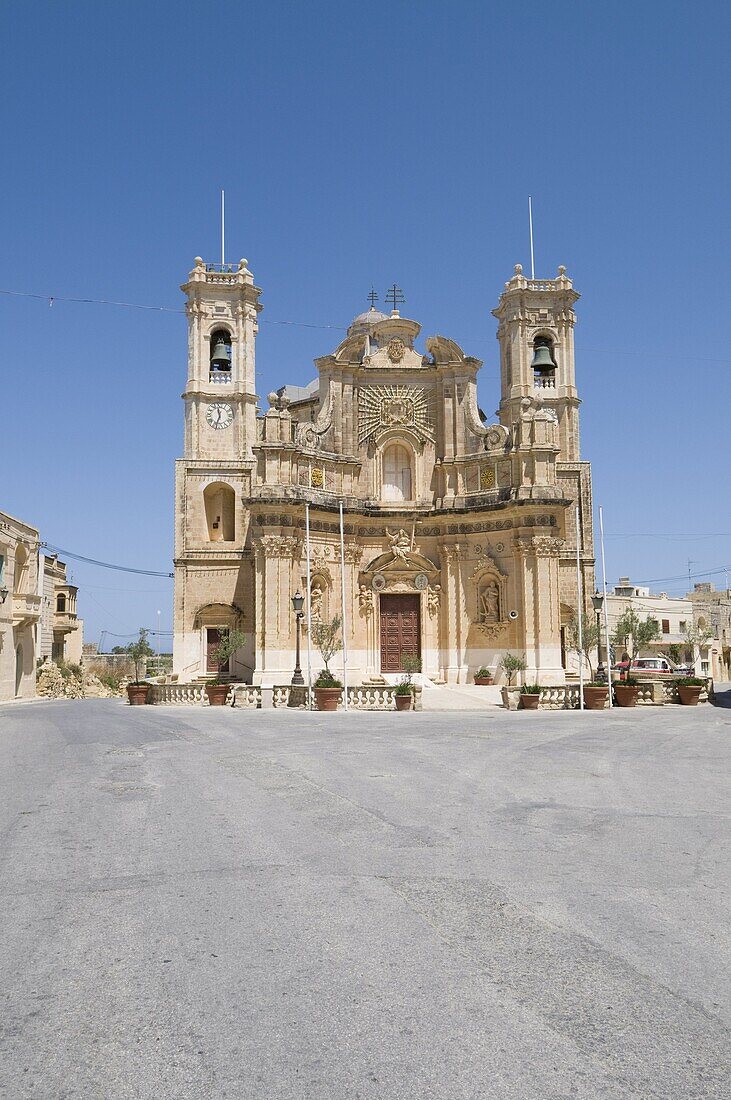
249, 696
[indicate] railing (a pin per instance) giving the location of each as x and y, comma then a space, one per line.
560, 697
251, 697
219, 377
222, 269
544, 383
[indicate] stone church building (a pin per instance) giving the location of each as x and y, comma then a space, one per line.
460, 533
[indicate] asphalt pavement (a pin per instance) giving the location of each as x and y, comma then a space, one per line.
231, 903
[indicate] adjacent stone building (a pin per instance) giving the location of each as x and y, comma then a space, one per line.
460, 533
61, 633
20, 607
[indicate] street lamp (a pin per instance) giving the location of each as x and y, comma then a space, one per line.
597, 601
3, 594
298, 602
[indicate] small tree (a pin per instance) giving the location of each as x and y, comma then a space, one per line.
697, 636
325, 637
229, 642
673, 652
634, 633
139, 651
510, 664
589, 637
411, 665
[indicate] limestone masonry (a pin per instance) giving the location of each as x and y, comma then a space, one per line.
460, 534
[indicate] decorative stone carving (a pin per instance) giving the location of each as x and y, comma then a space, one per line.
310, 436
379, 582
433, 598
488, 603
279, 546
365, 599
400, 544
543, 546
396, 349
353, 553
487, 477
394, 406
317, 595
421, 582
454, 552
317, 477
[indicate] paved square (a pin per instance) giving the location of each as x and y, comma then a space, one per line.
218, 903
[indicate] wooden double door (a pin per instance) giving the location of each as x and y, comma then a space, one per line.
400, 630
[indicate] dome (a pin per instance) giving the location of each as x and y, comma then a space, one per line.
366, 320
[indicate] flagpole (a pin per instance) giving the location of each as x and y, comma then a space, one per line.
342, 610
309, 608
223, 228
580, 615
606, 609
530, 223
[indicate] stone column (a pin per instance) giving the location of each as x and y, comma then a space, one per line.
275, 644
453, 619
538, 585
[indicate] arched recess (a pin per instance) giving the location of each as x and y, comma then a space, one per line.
489, 598
320, 585
397, 472
220, 508
61, 602
220, 350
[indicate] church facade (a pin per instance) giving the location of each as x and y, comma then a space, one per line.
460, 535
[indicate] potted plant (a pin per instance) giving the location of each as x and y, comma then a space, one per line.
596, 695
530, 696
139, 651
328, 690
404, 695
217, 689
626, 692
483, 677
633, 634
510, 664
689, 690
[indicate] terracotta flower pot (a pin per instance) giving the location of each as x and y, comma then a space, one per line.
483, 681
137, 694
689, 694
403, 702
327, 698
217, 694
625, 695
595, 698
529, 702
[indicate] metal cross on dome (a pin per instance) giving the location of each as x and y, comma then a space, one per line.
372, 298
395, 296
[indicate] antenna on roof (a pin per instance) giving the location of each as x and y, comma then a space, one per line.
530, 223
372, 298
395, 296
223, 228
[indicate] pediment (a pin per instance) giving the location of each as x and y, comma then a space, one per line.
411, 563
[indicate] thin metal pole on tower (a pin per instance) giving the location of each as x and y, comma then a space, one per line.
223, 228
580, 613
530, 223
604, 605
342, 610
309, 608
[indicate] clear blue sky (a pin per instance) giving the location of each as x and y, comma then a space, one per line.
360, 144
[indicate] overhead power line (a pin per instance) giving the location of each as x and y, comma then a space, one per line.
53, 298
104, 564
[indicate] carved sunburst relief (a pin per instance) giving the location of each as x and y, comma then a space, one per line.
393, 406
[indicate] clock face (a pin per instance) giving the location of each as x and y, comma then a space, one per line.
219, 415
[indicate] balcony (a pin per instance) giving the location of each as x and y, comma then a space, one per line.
65, 621
26, 609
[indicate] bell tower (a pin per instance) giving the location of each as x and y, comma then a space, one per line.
536, 334
220, 398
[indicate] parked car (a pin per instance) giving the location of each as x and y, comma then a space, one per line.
652, 666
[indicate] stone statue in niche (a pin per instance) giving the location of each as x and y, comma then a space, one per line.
489, 603
316, 598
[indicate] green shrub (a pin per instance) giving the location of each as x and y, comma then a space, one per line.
327, 680
690, 681
483, 674
530, 689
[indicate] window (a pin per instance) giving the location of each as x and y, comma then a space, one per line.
396, 473
666, 626
60, 602
683, 626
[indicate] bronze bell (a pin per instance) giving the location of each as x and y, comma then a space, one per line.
221, 357
542, 361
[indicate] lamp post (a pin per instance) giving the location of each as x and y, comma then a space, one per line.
298, 602
3, 593
597, 601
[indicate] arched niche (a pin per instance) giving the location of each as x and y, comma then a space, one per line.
220, 508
